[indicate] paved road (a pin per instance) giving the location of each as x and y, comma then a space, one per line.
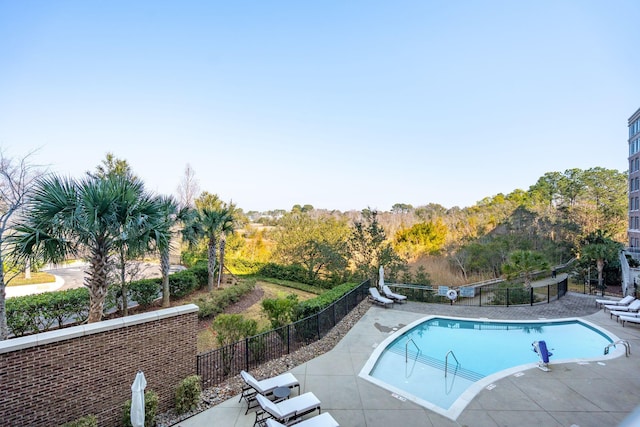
74, 275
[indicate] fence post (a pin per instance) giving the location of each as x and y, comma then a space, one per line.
246, 354
288, 338
531, 296
480, 299
548, 294
507, 297
334, 313
198, 368
318, 325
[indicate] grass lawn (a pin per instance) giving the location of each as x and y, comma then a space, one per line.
36, 278
206, 337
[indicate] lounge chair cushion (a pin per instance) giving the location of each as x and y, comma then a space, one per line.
633, 306
623, 301
266, 386
289, 408
323, 420
632, 319
379, 298
392, 295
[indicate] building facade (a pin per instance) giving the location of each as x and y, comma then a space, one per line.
634, 182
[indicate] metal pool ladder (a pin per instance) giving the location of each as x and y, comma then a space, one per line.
446, 361
627, 347
406, 349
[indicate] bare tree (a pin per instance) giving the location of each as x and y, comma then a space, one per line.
17, 176
188, 189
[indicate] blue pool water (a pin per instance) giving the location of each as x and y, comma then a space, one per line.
413, 362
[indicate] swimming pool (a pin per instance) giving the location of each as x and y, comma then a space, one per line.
411, 362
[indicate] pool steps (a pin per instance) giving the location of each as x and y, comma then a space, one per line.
436, 363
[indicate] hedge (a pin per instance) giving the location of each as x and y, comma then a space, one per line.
293, 273
41, 312
31, 314
319, 303
244, 266
216, 301
295, 285
298, 273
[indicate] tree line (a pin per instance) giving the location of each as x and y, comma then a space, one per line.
109, 218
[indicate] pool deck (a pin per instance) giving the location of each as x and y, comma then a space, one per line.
592, 394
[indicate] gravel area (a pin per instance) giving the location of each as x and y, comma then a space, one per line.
232, 387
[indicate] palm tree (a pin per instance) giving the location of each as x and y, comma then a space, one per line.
524, 263
213, 218
209, 223
173, 216
142, 227
94, 217
601, 249
227, 225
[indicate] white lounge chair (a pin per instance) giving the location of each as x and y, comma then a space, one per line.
323, 420
618, 306
631, 319
379, 299
625, 314
392, 295
622, 301
287, 410
265, 387
615, 310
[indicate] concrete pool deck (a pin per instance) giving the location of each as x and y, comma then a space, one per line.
572, 394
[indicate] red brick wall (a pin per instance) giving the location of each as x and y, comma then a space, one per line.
73, 372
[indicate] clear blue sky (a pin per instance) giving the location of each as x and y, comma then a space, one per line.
338, 104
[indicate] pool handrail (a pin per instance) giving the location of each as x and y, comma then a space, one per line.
627, 347
406, 349
446, 361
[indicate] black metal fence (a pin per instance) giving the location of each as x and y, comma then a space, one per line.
496, 294
217, 365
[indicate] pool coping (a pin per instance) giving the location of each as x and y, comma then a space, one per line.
460, 404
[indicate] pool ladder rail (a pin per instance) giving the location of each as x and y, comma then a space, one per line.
446, 361
406, 349
627, 347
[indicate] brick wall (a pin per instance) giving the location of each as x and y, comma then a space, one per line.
51, 378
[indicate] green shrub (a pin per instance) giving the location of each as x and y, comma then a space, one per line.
70, 305
244, 266
145, 291
319, 303
294, 273
190, 258
280, 310
36, 313
257, 348
41, 312
151, 402
201, 272
182, 283
216, 301
231, 328
87, 421
188, 394
296, 285
511, 294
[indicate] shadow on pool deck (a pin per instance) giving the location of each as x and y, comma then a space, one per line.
593, 394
